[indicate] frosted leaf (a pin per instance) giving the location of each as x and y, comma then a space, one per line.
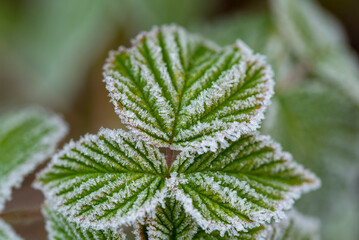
319, 127
169, 221
27, 138
7, 233
60, 228
105, 180
241, 186
176, 89
318, 39
294, 227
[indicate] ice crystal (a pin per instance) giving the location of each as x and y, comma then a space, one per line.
114, 178
7, 233
60, 228
179, 90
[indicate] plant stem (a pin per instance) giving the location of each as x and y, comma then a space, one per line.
20, 216
169, 157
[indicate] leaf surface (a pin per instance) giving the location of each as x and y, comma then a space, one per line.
105, 180
295, 227
241, 186
170, 221
60, 228
176, 89
27, 138
320, 126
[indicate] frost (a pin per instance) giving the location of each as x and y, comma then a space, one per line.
105, 180
27, 138
179, 90
249, 183
169, 221
58, 227
7, 233
295, 227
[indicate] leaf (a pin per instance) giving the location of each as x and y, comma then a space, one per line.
241, 186
105, 180
319, 126
60, 228
7, 233
340, 68
318, 39
27, 138
295, 227
178, 90
252, 234
170, 221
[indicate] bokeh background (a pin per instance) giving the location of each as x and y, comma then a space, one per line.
52, 53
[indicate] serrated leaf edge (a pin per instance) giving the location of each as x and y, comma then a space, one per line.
211, 143
58, 205
18, 174
283, 205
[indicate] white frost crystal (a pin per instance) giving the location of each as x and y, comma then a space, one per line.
176, 89
113, 179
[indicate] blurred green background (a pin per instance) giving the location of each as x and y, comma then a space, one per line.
52, 52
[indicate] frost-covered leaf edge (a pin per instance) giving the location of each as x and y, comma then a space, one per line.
151, 224
276, 230
283, 205
51, 215
17, 175
8, 231
220, 139
127, 220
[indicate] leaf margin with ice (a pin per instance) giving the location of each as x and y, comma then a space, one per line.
171, 76
231, 189
60, 228
60, 193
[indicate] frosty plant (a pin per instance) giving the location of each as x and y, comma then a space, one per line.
192, 165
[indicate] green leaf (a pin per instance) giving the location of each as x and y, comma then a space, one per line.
7, 233
176, 89
319, 126
241, 186
60, 228
252, 234
317, 38
295, 227
169, 221
27, 138
105, 180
